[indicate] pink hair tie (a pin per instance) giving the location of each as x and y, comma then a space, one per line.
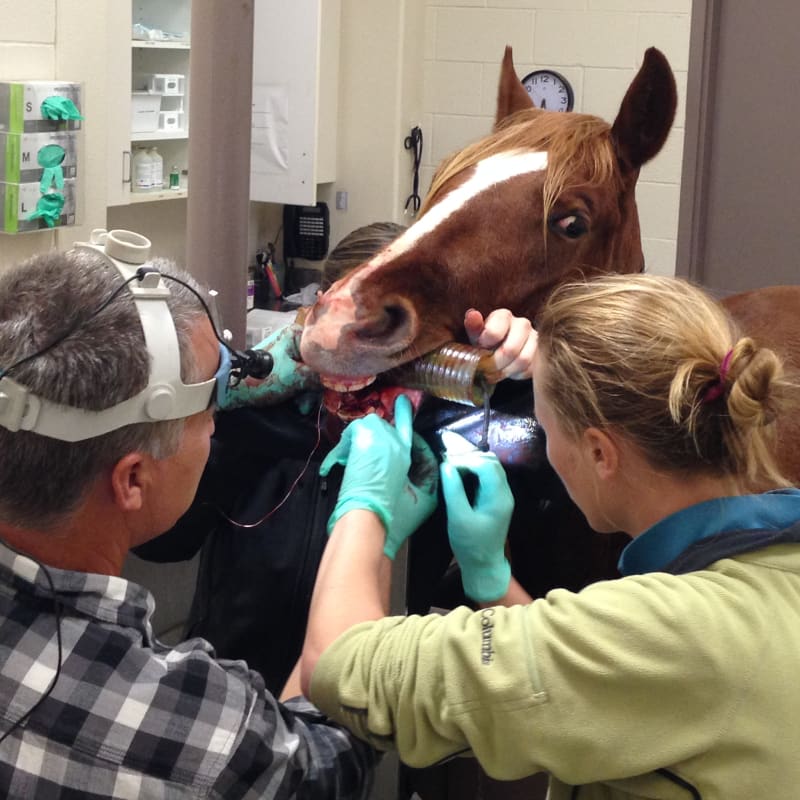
718, 387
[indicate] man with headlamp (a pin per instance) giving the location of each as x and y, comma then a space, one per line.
110, 366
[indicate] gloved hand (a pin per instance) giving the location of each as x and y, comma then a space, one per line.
478, 532
289, 376
376, 457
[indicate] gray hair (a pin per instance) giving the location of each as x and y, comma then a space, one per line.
103, 362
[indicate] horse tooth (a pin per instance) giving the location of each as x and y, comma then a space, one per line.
340, 384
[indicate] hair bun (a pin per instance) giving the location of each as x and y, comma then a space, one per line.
755, 391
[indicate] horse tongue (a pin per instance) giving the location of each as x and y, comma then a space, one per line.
389, 395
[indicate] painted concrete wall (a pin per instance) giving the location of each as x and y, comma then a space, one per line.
596, 44
380, 100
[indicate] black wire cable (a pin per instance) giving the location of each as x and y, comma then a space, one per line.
257, 363
414, 142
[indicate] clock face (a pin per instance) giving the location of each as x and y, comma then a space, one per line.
548, 89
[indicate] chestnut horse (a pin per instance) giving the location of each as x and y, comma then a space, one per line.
545, 198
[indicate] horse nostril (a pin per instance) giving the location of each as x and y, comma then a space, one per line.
396, 317
393, 321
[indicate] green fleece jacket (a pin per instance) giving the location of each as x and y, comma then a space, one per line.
655, 685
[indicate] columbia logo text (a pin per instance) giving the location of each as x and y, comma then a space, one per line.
487, 631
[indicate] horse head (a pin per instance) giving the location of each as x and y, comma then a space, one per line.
546, 197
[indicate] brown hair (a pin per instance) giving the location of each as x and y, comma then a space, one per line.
575, 144
643, 354
357, 247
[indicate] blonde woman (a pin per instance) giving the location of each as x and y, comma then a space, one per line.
678, 680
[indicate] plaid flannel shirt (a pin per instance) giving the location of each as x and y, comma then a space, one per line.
129, 717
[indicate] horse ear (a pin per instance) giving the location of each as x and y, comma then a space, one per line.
647, 111
511, 94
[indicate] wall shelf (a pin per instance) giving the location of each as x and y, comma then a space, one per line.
133, 64
159, 136
160, 45
166, 194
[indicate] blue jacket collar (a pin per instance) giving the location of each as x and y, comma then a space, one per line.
664, 542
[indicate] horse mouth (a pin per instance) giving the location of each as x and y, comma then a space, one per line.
351, 398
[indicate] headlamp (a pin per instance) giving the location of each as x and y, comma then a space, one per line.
165, 397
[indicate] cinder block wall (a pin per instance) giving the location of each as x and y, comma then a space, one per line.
596, 44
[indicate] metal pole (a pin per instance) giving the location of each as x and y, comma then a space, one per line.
221, 74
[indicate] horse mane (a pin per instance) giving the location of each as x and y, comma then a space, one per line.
576, 144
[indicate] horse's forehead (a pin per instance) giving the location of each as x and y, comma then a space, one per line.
486, 173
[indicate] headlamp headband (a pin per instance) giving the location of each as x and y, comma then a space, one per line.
165, 397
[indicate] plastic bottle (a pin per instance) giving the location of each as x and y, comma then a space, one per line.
174, 179
157, 168
141, 171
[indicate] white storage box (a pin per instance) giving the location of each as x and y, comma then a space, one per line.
161, 83
170, 120
144, 111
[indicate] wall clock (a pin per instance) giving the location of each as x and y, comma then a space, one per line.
549, 89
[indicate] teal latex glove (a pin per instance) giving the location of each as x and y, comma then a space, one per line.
50, 158
57, 107
478, 532
48, 208
289, 376
376, 457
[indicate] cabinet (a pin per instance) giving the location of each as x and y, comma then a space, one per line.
295, 91
149, 104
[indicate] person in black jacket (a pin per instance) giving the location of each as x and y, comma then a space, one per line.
259, 518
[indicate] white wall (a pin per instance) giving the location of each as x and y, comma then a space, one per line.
596, 44
403, 63
380, 100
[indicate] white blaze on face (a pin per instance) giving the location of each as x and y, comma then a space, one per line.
322, 336
489, 172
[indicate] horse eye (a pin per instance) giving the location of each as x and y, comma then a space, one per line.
573, 226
